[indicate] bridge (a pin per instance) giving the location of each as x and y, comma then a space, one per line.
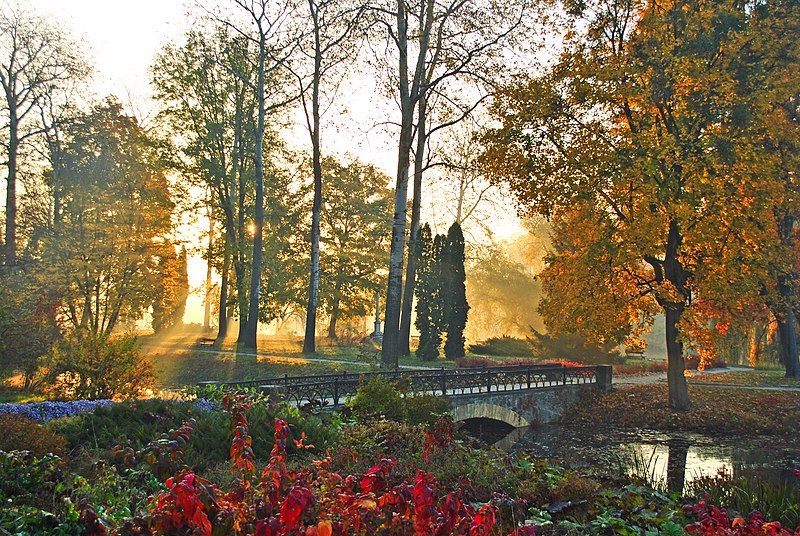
518, 395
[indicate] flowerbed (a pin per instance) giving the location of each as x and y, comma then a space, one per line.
377, 477
46, 411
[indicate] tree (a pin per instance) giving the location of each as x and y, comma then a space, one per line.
503, 293
210, 108
28, 326
328, 45
442, 49
171, 291
426, 290
355, 238
36, 59
639, 136
273, 48
210, 112
454, 294
116, 221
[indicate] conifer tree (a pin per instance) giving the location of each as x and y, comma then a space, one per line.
454, 295
425, 290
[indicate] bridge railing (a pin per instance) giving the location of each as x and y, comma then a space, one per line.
334, 388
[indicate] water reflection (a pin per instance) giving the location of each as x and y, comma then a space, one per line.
671, 458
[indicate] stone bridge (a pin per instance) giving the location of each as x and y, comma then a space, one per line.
519, 395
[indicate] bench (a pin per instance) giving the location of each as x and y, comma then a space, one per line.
206, 342
635, 353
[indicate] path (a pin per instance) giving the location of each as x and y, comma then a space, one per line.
656, 377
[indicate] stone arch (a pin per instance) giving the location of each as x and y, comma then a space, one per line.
488, 411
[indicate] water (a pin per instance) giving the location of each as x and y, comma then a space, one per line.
670, 458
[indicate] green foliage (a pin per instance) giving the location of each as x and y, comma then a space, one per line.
503, 346
378, 398
454, 294
87, 365
28, 328
425, 408
117, 494
135, 424
355, 229
21, 433
573, 347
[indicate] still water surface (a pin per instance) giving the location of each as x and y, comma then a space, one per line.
672, 458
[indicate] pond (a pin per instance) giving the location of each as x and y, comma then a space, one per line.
670, 458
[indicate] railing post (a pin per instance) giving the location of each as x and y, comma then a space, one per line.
528, 376
564, 374
444, 383
488, 380
336, 392
603, 373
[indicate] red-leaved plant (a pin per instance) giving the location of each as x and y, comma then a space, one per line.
714, 521
310, 502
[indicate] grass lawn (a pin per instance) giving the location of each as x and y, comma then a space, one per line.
180, 360
761, 377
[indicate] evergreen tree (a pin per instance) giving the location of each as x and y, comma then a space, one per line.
454, 292
423, 250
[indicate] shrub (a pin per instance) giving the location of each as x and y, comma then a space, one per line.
93, 366
20, 433
136, 423
778, 502
503, 346
475, 362
424, 409
378, 398
574, 347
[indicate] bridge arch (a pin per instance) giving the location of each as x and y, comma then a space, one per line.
482, 410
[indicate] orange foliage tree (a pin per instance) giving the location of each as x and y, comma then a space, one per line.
652, 145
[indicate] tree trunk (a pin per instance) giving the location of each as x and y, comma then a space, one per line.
676, 365
223, 298
787, 335
678, 277
334, 318
309, 341
411, 268
11, 190
207, 301
391, 333
258, 239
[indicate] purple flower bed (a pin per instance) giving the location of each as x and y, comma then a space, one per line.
47, 411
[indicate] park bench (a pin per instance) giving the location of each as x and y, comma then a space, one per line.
639, 354
206, 342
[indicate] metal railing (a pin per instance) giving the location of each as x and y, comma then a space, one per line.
332, 389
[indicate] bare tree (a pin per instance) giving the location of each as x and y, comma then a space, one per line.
326, 46
36, 58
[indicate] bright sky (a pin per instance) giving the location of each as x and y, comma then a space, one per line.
121, 36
